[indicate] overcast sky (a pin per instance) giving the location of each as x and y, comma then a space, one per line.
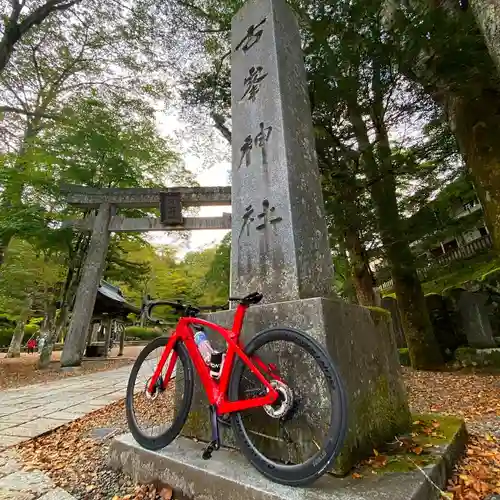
216, 173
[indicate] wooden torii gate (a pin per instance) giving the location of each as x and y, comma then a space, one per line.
106, 202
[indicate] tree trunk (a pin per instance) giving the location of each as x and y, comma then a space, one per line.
4, 244
17, 338
17, 25
48, 332
476, 126
468, 93
360, 270
487, 13
424, 350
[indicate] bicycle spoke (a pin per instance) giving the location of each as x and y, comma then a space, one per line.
302, 431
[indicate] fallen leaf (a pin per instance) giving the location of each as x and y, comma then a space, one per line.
417, 450
355, 475
166, 494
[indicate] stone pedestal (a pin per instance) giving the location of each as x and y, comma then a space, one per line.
362, 346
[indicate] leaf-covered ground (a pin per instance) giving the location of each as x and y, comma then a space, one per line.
474, 397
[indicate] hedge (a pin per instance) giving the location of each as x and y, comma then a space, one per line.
6, 337
142, 333
7, 332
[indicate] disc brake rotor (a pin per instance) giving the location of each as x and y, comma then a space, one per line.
284, 402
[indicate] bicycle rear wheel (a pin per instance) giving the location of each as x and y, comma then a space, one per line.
156, 420
295, 440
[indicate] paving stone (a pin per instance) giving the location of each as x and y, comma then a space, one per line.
8, 410
57, 494
6, 440
15, 495
65, 416
9, 464
27, 415
84, 408
8, 455
33, 428
6, 425
11, 419
33, 481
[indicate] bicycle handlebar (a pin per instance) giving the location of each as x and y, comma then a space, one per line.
188, 310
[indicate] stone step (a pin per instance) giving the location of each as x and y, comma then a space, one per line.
229, 475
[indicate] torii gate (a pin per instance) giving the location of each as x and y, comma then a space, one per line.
106, 201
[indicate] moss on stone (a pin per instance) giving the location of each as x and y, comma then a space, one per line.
374, 406
380, 310
406, 461
378, 314
448, 427
197, 423
468, 356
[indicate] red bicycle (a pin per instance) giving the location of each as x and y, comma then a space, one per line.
287, 407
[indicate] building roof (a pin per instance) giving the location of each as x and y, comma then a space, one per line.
110, 301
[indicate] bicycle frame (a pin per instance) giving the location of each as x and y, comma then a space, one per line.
217, 390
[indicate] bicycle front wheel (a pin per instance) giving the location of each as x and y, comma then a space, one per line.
155, 420
296, 439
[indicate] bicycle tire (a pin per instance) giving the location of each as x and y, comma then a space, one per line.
307, 472
164, 439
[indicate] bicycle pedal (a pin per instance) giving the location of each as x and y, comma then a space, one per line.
207, 452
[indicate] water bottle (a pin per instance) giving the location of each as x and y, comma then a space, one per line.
204, 346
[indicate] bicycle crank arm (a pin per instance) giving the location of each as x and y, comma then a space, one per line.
214, 445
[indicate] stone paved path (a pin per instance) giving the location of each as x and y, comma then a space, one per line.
29, 411
19, 484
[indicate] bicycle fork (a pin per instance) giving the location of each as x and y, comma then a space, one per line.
214, 445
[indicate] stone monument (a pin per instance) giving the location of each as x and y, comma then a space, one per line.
279, 235
473, 318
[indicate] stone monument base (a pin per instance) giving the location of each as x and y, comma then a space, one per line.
227, 475
362, 345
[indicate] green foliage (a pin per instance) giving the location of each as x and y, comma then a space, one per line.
217, 277
6, 337
201, 277
460, 272
31, 329
27, 275
6, 320
404, 356
142, 333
